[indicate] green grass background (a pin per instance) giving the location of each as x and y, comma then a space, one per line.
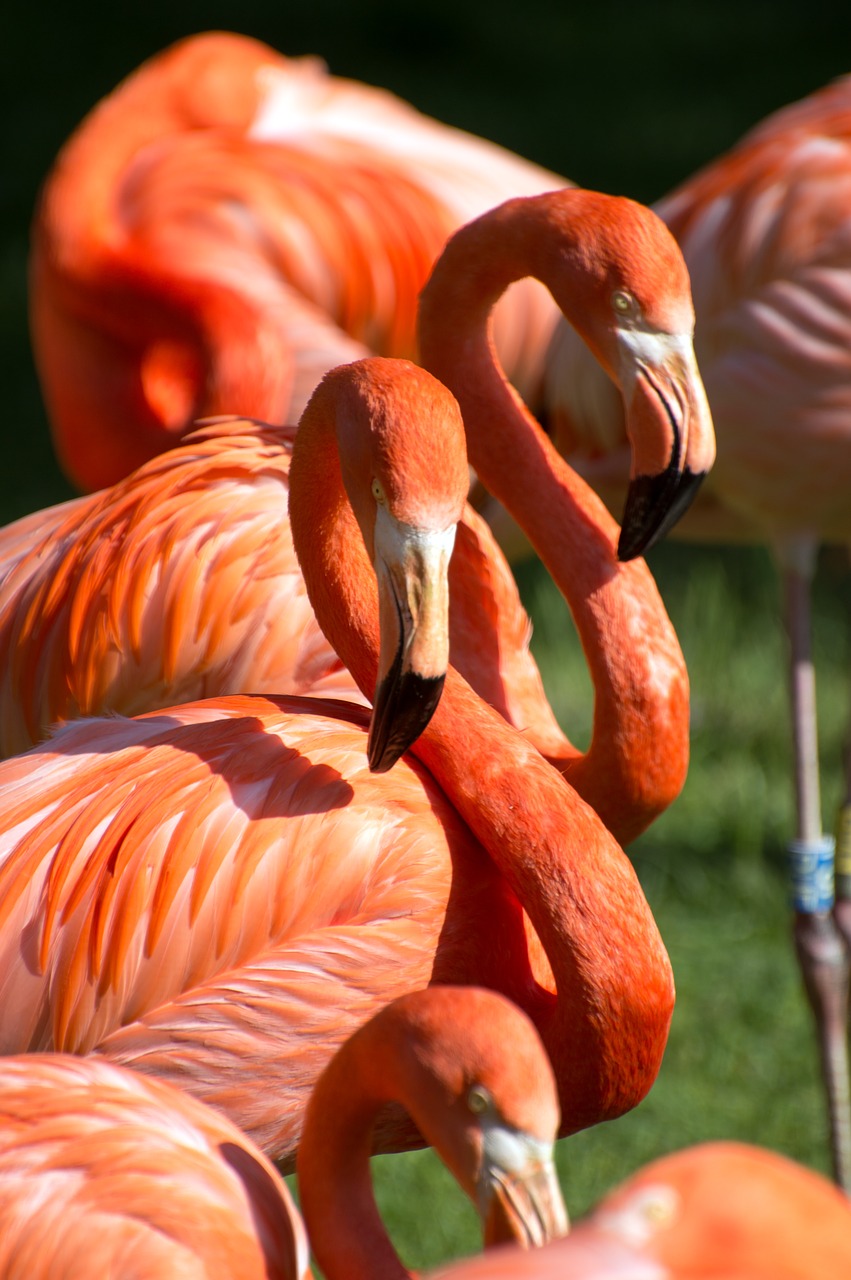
627, 98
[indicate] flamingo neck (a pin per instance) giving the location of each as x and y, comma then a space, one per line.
606, 1030
636, 665
329, 545
347, 1236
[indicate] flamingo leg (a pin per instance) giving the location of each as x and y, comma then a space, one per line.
823, 955
842, 909
842, 906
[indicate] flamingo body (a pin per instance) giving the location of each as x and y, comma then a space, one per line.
266, 879
765, 230
105, 1172
220, 893
228, 225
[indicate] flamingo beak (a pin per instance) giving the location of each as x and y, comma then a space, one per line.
519, 1196
673, 441
412, 567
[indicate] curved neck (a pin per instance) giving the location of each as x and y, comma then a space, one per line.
638, 756
606, 1031
344, 1227
339, 578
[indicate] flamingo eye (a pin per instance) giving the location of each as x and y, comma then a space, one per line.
478, 1099
378, 492
623, 302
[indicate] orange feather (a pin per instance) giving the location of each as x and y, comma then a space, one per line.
228, 225
765, 232
325, 890
104, 1172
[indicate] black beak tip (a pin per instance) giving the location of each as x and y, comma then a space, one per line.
382, 760
654, 504
403, 707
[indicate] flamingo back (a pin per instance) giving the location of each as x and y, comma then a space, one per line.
220, 893
229, 224
105, 1172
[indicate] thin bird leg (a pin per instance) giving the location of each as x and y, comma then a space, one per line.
843, 850
822, 954
842, 907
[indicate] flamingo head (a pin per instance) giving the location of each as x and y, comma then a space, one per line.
621, 280
407, 478
473, 1074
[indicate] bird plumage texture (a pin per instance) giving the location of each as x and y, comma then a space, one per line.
220, 893
231, 223
105, 1172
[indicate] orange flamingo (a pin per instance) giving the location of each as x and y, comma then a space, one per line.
721, 1210
221, 893
106, 1171
620, 282
128, 602
182, 582
491, 1115
764, 230
229, 224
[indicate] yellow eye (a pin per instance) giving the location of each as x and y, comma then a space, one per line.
378, 492
622, 302
478, 1099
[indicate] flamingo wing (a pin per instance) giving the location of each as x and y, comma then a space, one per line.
179, 583
219, 894
104, 1172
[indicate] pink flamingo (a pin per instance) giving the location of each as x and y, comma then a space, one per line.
764, 231
131, 598
105, 1170
221, 893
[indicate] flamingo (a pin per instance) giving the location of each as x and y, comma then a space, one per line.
230, 223
491, 1115
221, 893
181, 582
723, 1210
765, 232
125, 601
104, 1170
620, 282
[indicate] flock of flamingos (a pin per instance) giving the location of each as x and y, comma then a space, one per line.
284, 887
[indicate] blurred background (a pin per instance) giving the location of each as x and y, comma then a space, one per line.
629, 99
